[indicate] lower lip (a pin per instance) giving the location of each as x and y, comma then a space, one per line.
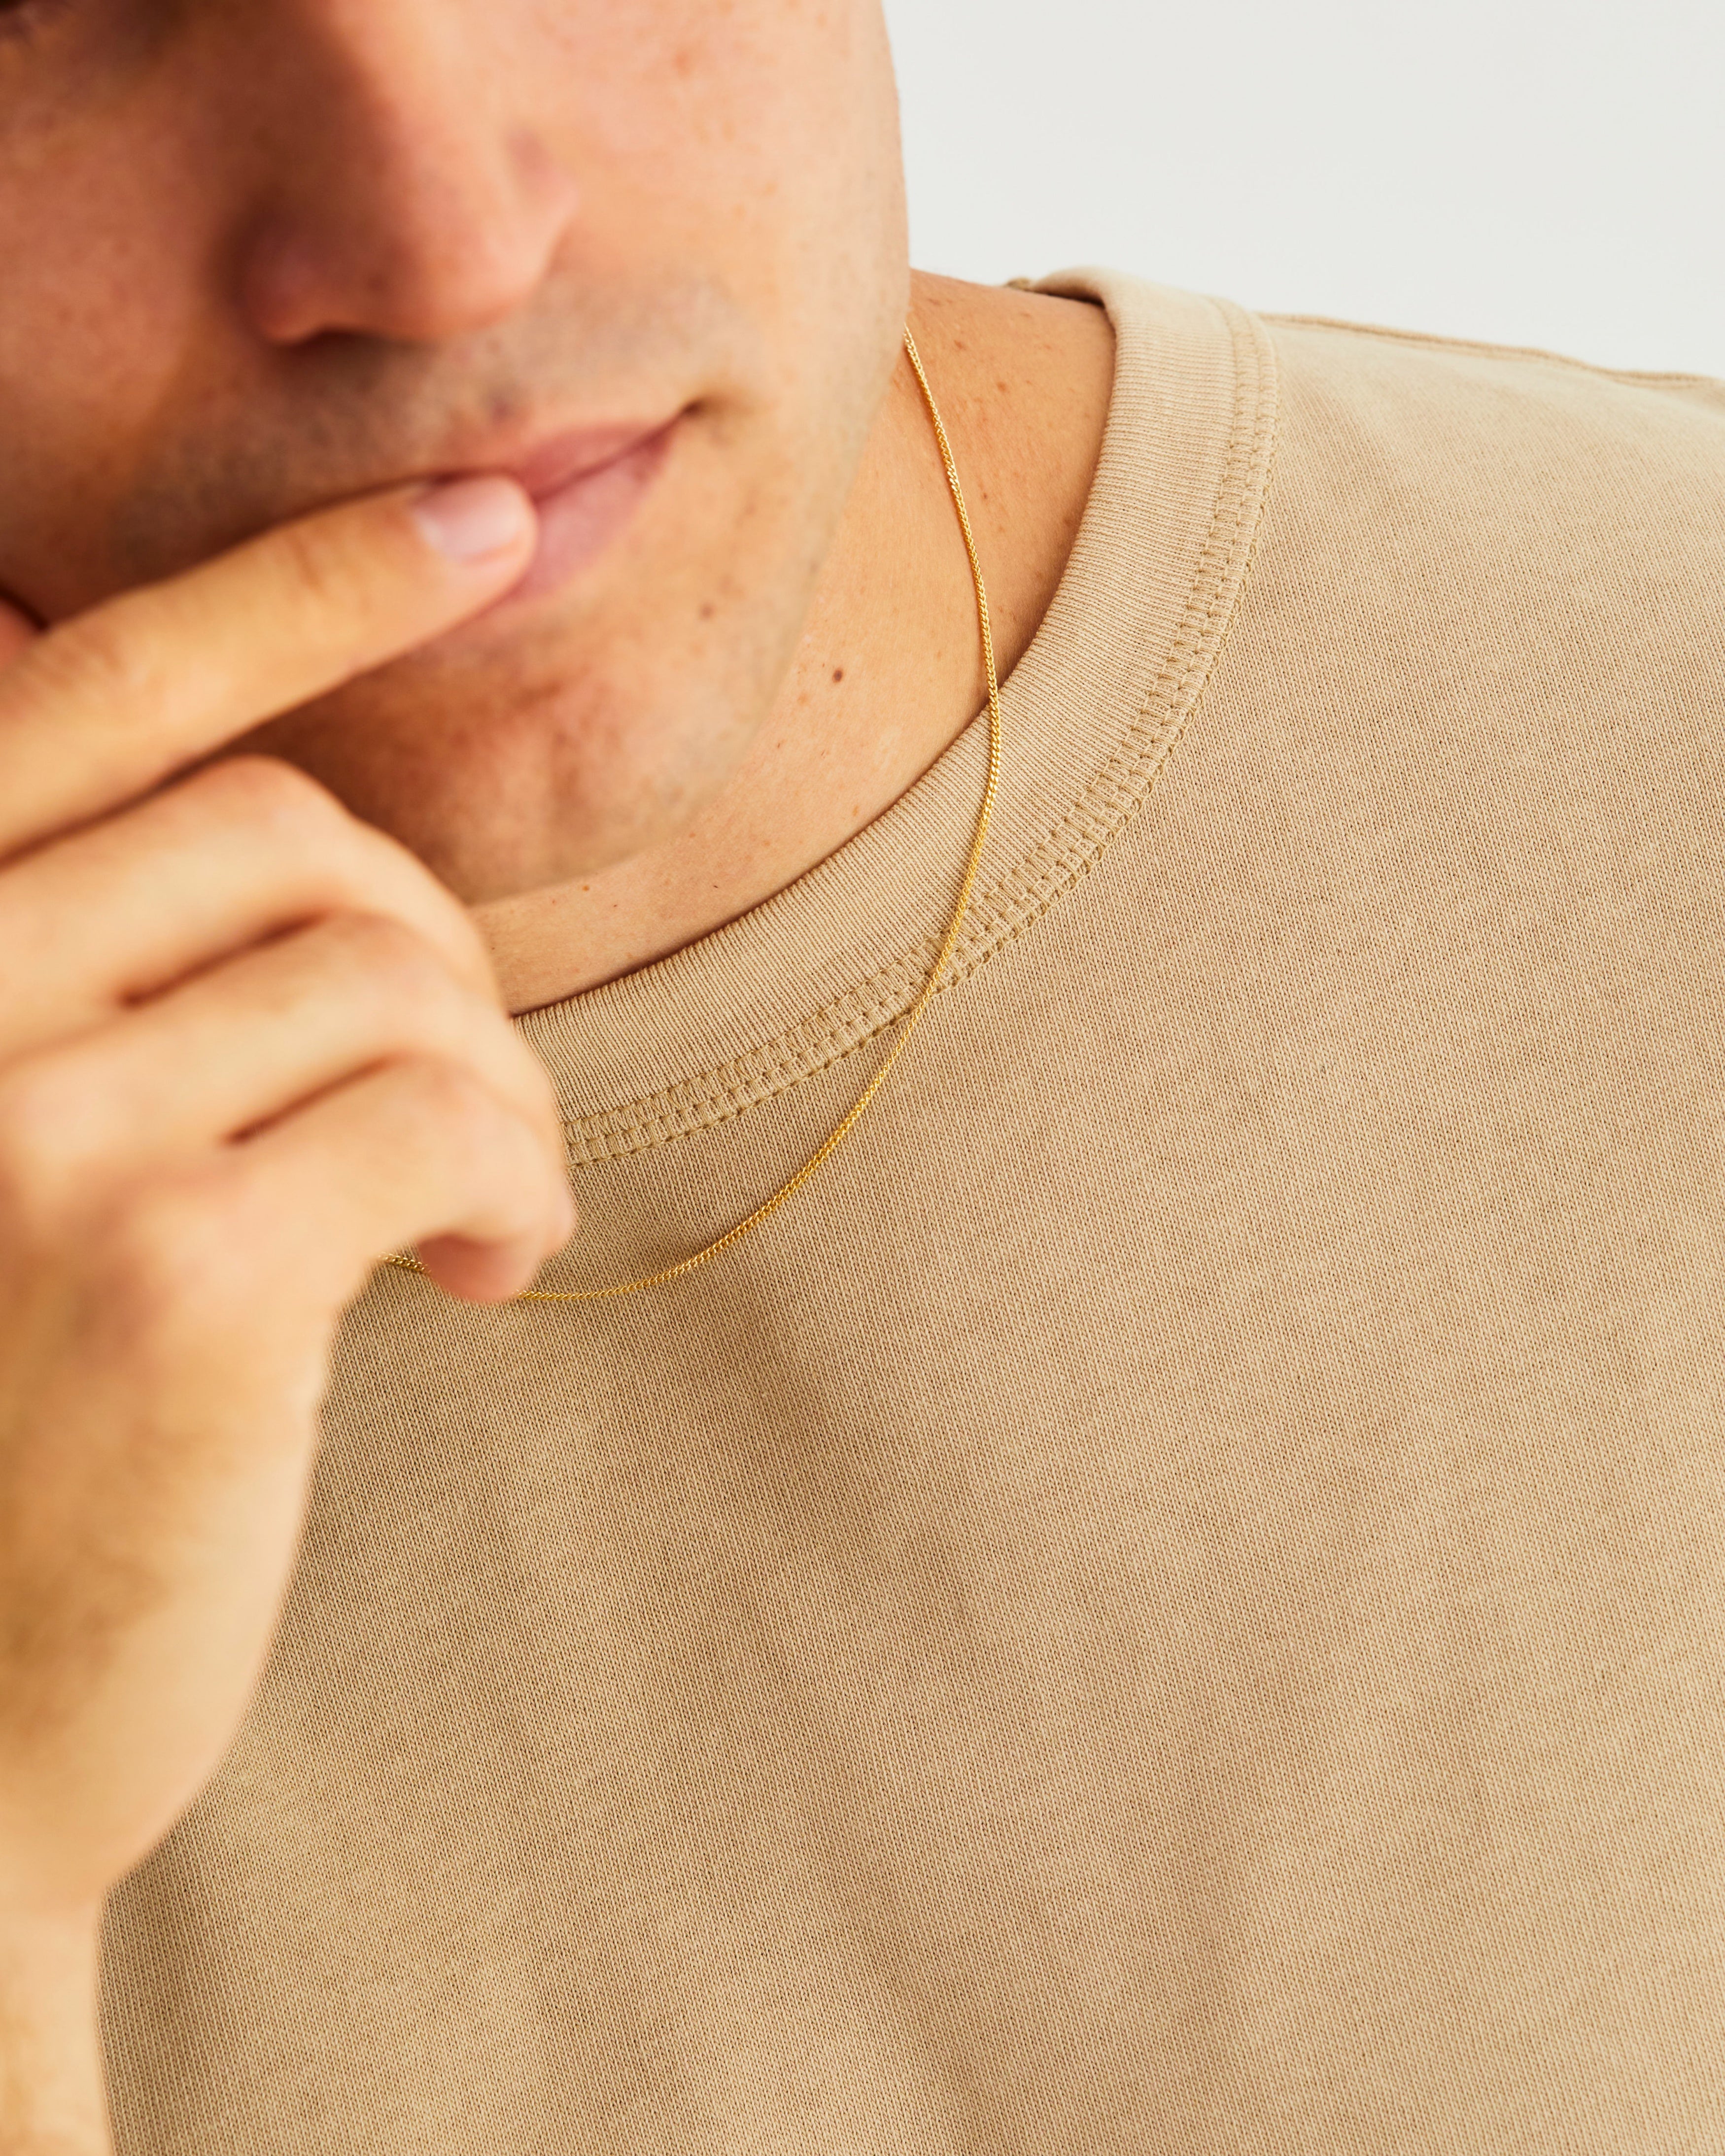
580, 520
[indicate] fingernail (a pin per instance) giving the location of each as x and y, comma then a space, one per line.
471, 520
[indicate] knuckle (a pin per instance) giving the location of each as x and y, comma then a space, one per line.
401, 977
379, 939
264, 790
97, 661
316, 560
313, 841
442, 1102
447, 1114
394, 868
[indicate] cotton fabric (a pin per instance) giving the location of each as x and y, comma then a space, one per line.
1171, 1601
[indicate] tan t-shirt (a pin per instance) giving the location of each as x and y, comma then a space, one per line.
1171, 1602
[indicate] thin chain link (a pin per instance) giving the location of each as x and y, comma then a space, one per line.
812, 1167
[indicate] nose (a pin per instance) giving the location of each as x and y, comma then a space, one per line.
404, 194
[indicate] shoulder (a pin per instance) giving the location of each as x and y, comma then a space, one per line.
1466, 459
1427, 520
1517, 496
1328, 340
1458, 414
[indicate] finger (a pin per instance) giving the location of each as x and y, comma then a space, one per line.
242, 850
104, 705
248, 1041
418, 1152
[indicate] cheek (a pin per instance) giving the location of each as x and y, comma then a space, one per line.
757, 144
105, 340
762, 133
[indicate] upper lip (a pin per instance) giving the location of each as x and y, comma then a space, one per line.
559, 459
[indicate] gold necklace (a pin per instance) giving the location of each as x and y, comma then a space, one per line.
812, 1166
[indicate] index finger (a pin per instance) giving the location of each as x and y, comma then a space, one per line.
103, 706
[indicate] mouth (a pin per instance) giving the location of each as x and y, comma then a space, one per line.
585, 487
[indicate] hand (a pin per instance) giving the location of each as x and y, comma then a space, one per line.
247, 1046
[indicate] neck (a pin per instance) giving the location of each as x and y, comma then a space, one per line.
889, 672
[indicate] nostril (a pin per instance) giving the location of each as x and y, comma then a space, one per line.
278, 286
421, 239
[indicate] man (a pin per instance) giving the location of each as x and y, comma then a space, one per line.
1168, 1599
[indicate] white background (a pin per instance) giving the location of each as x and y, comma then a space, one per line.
1504, 169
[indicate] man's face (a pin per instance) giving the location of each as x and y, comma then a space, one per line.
256, 255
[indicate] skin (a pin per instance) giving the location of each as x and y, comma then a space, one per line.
295, 808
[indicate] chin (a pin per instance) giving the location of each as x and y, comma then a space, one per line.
505, 786
489, 838
560, 733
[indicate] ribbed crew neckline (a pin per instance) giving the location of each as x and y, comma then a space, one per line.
1089, 715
